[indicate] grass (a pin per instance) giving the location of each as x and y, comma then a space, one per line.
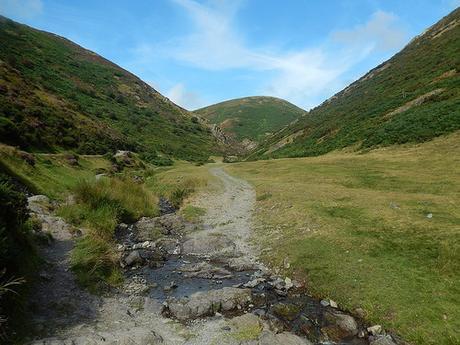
357, 228
100, 206
246, 333
192, 213
179, 182
51, 174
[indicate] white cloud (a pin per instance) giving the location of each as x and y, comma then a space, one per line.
21, 8
186, 99
381, 32
305, 76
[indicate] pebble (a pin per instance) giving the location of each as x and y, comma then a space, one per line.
375, 330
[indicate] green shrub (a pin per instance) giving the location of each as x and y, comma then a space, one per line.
18, 257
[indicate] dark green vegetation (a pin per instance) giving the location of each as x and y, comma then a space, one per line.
413, 97
18, 256
56, 95
251, 117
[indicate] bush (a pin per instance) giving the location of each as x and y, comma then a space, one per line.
18, 258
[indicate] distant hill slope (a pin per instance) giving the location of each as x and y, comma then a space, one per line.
57, 95
251, 117
413, 97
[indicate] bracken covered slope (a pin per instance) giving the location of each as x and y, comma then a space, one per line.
251, 117
413, 97
56, 95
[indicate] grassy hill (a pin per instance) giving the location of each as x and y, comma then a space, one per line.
413, 97
251, 117
56, 95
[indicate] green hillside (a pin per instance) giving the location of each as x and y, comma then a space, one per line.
251, 117
413, 97
56, 95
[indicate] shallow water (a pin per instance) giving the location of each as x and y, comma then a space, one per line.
186, 286
307, 322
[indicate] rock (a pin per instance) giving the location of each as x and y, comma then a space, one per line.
333, 304
240, 264
151, 229
205, 270
208, 244
208, 303
169, 245
281, 292
360, 312
286, 263
375, 330
277, 283
382, 340
39, 204
172, 285
285, 338
288, 283
324, 303
136, 286
133, 258
286, 311
340, 326
253, 283
245, 321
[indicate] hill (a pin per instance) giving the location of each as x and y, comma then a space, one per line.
413, 97
251, 118
56, 95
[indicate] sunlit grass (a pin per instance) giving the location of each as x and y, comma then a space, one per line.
379, 231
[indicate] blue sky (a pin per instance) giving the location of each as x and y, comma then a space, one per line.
202, 52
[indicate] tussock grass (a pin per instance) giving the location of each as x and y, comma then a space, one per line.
357, 228
100, 206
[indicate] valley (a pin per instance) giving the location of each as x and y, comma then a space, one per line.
127, 219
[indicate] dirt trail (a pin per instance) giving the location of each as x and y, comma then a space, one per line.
212, 282
229, 212
125, 319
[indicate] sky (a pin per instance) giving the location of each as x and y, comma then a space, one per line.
202, 52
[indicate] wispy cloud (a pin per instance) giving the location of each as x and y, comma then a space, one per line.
187, 99
304, 76
21, 8
381, 32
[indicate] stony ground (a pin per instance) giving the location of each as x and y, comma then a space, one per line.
237, 300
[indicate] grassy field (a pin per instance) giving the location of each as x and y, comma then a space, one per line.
380, 231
